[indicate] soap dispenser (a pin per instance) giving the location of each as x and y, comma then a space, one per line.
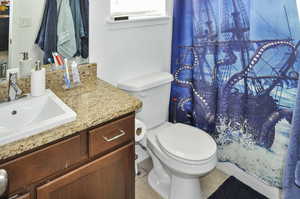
25, 65
38, 80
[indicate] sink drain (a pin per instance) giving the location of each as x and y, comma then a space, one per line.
14, 112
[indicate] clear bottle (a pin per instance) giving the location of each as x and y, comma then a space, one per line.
26, 65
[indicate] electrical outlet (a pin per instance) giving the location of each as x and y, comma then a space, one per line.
25, 22
12, 70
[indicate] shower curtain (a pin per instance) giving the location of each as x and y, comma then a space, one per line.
291, 180
236, 70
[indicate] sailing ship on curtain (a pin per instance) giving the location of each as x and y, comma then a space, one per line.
236, 70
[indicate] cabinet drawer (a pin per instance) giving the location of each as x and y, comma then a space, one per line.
35, 166
111, 135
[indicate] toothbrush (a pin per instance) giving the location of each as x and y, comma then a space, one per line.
54, 59
50, 61
58, 60
67, 75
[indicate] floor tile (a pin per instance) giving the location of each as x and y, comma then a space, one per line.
209, 183
144, 191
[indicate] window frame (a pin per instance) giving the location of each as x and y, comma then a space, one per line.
141, 20
139, 14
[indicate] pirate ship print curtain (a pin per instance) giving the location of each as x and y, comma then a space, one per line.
236, 68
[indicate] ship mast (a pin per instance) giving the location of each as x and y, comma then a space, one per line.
235, 28
207, 33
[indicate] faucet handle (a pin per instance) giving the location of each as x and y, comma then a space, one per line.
13, 89
13, 76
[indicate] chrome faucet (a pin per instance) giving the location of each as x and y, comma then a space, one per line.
14, 91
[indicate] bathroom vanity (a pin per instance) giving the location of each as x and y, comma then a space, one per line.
90, 158
95, 163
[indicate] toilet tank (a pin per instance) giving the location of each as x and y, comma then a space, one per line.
154, 91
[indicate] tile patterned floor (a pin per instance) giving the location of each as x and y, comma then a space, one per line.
209, 183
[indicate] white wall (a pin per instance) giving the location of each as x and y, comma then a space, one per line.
128, 49
26, 17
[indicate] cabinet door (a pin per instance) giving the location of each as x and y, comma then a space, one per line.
109, 177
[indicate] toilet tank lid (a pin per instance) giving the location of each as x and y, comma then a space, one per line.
146, 82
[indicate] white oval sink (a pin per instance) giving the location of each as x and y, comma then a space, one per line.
32, 115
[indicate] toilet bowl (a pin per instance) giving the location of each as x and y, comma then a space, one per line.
180, 153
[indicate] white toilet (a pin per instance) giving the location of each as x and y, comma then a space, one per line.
180, 153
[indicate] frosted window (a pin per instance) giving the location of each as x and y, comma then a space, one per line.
138, 7
298, 6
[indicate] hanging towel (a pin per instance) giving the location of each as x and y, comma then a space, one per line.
66, 44
78, 24
47, 36
291, 181
84, 6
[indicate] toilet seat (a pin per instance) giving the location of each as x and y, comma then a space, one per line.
186, 143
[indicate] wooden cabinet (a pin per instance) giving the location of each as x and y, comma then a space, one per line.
97, 163
109, 177
35, 166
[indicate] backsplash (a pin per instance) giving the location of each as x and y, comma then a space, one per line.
54, 79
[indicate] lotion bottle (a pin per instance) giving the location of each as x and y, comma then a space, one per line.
38, 80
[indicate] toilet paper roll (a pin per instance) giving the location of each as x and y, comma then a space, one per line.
140, 130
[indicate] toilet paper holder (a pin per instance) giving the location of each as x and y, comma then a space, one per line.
139, 131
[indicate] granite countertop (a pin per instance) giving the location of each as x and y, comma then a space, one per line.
95, 102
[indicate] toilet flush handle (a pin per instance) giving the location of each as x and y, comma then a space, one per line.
142, 95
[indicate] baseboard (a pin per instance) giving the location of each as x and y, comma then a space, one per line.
254, 183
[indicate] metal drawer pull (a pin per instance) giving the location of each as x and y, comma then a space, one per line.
116, 137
